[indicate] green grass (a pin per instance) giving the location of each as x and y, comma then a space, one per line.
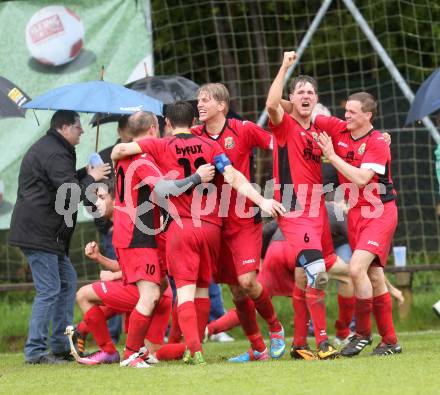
15, 310
415, 371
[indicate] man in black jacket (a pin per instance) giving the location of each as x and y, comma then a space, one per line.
43, 232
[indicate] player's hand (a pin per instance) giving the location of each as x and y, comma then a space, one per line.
326, 145
387, 137
92, 250
99, 172
289, 59
206, 172
397, 293
272, 207
106, 275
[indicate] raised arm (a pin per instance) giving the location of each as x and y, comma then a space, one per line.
273, 102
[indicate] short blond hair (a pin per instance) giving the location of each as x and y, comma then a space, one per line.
216, 91
368, 102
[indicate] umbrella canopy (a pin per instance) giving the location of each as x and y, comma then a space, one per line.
96, 97
166, 88
12, 99
427, 98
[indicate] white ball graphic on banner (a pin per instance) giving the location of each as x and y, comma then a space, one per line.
54, 35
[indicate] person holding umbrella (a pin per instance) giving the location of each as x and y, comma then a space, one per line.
42, 227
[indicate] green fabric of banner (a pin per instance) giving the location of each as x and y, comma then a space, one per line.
115, 37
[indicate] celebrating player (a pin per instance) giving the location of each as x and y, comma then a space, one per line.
136, 222
363, 159
111, 292
297, 172
190, 253
242, 229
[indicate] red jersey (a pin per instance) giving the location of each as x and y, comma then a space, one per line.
367, 152
297, 162
135, 218
238, 139
182, 154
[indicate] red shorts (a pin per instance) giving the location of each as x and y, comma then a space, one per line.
117, 296
161, 253
277, 273
192, 251
240, 251
138, 264
373, 234
308, 233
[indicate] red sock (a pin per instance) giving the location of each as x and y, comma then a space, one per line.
188, 324
248, 320
168, 352
264, 306
315, 300
346, 311
97, 324
300, 318
362, 313
175, 335
224, 323
159, 321
137, 328
383, 313
108, 312
202, 309
83, 329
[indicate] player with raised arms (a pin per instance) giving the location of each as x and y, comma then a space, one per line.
298, 181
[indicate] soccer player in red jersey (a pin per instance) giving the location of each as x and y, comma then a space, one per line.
363, 160
297, 173
136, 221
190, 253
242, 228
113, 297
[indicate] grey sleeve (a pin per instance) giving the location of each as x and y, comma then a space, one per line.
165, 188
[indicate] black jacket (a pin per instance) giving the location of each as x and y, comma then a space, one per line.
35, 224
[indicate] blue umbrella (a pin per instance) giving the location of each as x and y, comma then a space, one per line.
96, 97
427, 98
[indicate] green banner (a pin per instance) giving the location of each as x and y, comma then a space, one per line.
47, 44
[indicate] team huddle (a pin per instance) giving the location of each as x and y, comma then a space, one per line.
184, 207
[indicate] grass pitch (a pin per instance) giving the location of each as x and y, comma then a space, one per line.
415, 371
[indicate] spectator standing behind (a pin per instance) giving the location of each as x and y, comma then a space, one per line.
44, 235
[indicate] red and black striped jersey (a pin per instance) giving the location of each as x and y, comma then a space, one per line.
136, 217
